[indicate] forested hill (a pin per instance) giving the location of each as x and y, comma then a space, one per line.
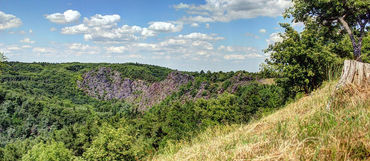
75, 108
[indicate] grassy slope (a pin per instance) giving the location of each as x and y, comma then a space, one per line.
302, 130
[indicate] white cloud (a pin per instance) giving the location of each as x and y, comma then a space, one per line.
116, 49
62, 18
298, 24
242, 57
274, 37
164, 27
200, 36
30, 31
13, 48
78, 29
52, 29
78, 46
9, 21
134, 56
26, 46
42, 50
105, 21
228, 10
194, 25
262, 31
27, 40
181, 6
105, 29
192, 46
234, 57
82, 49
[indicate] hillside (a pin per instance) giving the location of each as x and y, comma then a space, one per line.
302, 130
78, 108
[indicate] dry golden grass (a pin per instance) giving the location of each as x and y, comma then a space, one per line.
303, 130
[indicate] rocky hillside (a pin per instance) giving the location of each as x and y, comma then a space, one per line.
105, 84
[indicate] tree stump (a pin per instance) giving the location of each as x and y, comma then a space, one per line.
355, 73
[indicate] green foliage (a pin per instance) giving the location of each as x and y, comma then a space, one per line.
43, 112
111, 144
352, 15
173, 120
329, 10
52, 151
303, 59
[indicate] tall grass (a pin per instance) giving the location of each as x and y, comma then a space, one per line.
303, 130
333, 71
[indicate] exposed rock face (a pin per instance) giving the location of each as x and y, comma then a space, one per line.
106, 84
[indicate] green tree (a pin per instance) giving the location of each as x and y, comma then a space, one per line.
352, 15
51, 151
303, 59
111, 144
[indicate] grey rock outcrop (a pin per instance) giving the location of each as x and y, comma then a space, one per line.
106, 84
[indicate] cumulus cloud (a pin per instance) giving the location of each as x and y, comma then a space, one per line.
116, 49
9, 21
42, 50
164, 27
82, 49
27, 41
239, 52
194, 25
242, 57
234, 57
105, 21
192, 46
228, 10
181, 6
26, 46
62, 18
274, 37
200, 36
105, 29
13, 48
262, 31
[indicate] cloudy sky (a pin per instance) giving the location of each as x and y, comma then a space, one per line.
181, 34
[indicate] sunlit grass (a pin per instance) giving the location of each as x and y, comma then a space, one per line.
303, 130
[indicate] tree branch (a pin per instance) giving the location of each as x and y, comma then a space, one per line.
348, 29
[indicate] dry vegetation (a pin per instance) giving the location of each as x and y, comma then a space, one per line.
303, 130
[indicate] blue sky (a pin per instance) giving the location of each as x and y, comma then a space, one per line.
189, 35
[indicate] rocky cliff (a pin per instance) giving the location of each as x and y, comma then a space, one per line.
106, 84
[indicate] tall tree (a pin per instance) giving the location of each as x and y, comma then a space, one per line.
351, 15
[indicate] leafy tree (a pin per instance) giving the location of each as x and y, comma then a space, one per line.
52, 151
303, 59
352, 15
111, 144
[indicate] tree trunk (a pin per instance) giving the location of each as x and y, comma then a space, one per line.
356, 45
354, 73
